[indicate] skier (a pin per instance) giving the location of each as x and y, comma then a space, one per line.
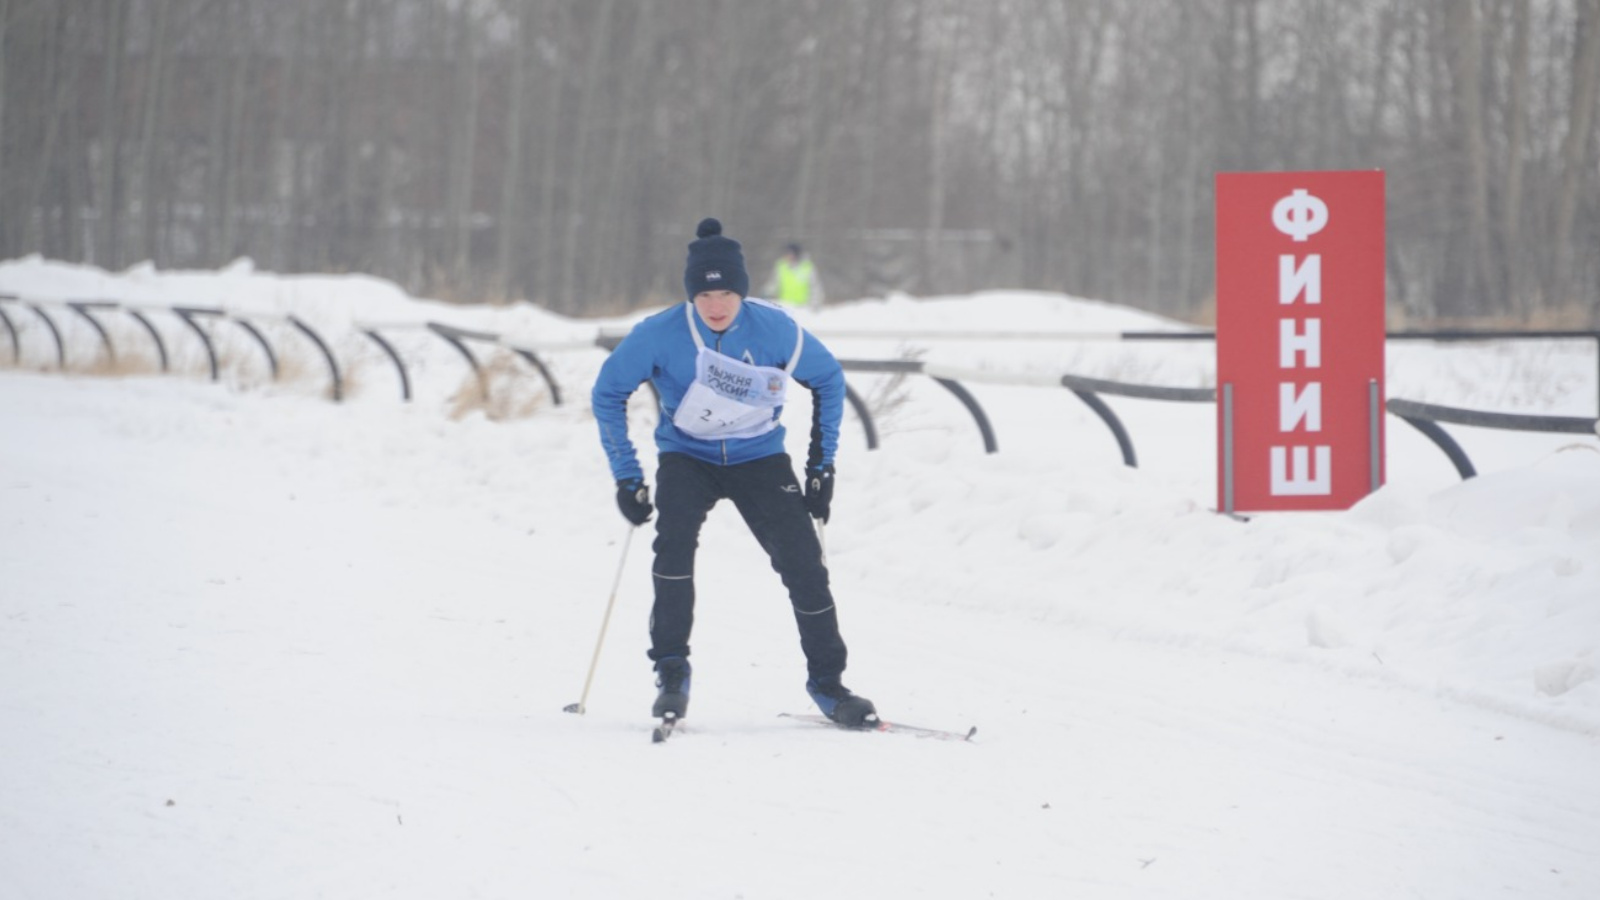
720, 364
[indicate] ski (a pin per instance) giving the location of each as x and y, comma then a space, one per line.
938, 734
664, 730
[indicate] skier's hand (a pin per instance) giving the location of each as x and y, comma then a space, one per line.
819, 491
633, 498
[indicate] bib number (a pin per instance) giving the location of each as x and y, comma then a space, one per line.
730, 398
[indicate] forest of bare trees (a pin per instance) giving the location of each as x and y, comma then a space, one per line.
562, 150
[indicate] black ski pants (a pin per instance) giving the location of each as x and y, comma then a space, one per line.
769, 498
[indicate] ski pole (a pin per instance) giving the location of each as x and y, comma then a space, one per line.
581, 706
822, 541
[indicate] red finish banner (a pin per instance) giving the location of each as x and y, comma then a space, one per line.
1300, 336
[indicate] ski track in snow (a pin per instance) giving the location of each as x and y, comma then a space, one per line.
253, 644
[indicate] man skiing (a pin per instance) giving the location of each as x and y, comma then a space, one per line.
720, 364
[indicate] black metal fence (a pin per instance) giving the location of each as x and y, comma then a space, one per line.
1427, 418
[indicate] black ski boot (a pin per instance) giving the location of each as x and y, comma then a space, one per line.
672, 677
843, 707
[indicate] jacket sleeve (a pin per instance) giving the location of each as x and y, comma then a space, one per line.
624, 370
821, 373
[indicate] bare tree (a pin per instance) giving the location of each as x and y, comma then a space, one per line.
1466, 40
589, 96
561, 149
463, 145
1577, 161
511, 177
152, 130
1516, 115
5, 34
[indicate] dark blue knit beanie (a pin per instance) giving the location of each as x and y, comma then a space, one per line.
715, 263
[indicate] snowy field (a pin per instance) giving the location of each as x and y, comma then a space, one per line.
254, 643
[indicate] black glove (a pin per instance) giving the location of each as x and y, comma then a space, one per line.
819, 491
633, 498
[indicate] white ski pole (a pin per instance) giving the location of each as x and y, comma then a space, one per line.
822, 541
581, 706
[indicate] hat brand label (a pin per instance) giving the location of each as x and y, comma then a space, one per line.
713, 274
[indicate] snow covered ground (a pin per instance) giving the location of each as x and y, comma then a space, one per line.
257, 644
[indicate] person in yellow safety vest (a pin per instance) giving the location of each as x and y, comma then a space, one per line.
794, 282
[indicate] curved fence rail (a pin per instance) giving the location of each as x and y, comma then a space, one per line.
1455, 335
83, 309
264, 344
1089, 389
11, 329
916, 367
150, 328
394, 357
190, 316
1425, 417
458, 337
327, 355
55, 334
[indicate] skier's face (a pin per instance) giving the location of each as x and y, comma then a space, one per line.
717, 308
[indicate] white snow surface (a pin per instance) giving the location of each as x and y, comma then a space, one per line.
254, 643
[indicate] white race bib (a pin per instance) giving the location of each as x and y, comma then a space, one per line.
730, 398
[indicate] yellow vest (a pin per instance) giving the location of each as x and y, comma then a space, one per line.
794, 282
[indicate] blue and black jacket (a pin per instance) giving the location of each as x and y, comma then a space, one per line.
661, 350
